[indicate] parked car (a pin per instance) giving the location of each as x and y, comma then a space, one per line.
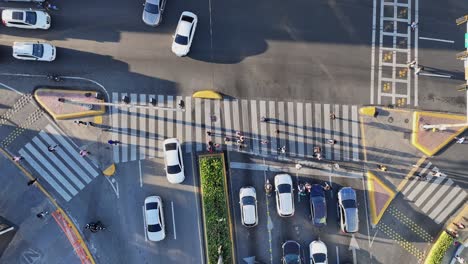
173, 160
185, 31
154, 218
248, 206
29, 19
152, 12
34, 51
284, 195
347, 210
291, 252
318, 205
318, 252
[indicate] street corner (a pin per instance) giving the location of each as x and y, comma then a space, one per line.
432, 140
380, 197
66, 104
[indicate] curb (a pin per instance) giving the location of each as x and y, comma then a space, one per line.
376, 216
416, 129
56, 116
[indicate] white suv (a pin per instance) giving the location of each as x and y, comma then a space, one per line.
248, 206
173, 160
29, 19
33, 51
284, 195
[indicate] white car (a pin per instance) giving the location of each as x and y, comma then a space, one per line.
284, 195
347, 210
248, 206
30, 19
173, 160
184, 33
318, 252
34, 51
152, 12
154, 218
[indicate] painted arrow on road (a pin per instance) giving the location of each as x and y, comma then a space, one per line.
353, 245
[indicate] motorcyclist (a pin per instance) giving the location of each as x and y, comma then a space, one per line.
268, 187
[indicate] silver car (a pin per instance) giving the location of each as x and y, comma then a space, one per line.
152, 12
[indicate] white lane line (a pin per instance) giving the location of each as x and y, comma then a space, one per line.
133, 128
144, 222
435, 75
170, 117
124, 132
173, 220
416, 47
300, 129
198, 124
374, 21
439, 40
139, 168
227, 121
111, 181
269, 221
161, 124
273, 127
450, 207
142, 128
292, 133
309, 130
337, 255
188, 123
115, 121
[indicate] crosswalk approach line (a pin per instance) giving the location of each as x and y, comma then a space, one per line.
198, 124
255, 120
179, 121
338, 135
327, 131
161, 134
142, 128
124, 128
49, 167
429, 190
451, 207
291, 131
63, 142
309, 150
115, 125
435, 197
58, 163
227, 120
133, 128
300, 129
189, 125
263, 126
355, 129
152, 131
345, 131
65, 155
45, 175
443, 204
273, 127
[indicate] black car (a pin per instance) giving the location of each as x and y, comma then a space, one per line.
318, 205
291, 252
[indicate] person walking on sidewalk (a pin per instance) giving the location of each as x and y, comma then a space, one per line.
52, 148
113, 142
84, 153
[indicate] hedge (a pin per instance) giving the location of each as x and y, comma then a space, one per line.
439, 249
215, 210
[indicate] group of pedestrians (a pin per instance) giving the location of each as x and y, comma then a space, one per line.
47, 6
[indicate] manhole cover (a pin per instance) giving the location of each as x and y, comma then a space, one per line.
390, 119
407, 120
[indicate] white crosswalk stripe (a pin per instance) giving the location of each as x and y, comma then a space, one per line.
64, 170
434, 193
301, 126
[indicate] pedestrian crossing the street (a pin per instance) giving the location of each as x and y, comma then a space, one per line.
63, 169
433, 192
298, 126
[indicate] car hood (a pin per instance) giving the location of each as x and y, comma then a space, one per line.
151, 19
317, 247
49, 52
156, 236
180, 50
249, 214
7, 14
42, 19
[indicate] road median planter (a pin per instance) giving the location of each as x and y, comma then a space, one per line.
216, 214
438, 250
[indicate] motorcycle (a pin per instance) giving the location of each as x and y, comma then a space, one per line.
268, 188
95, 227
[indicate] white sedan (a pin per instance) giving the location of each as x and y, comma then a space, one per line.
154, 218
34, 51
173, 160
184, 33
29, 19
318, 252
248, 206
284, 195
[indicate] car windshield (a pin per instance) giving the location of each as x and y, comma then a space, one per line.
151, 8
173, 169
154, 228
181, 40
151, 206
291, 259
284, 188
320, 257
248, 200
38, 50
31, 18
171, 146
349, 204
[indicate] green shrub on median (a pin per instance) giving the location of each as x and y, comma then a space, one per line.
215, 209
439, 249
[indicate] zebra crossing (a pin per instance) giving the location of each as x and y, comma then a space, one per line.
299, 126
434, 193
64, 170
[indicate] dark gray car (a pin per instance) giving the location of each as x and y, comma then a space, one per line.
291, 252
152, 12
318, 205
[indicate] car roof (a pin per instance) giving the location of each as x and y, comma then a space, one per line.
351, 215
171, 155
347, 193
317, 190
249, 214
23, 48
286, 203
291, 246
184, 28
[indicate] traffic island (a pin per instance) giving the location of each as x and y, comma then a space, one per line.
217, 223
380, 197
67, 104
431, 141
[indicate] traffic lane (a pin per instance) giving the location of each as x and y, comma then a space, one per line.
182, 213
289, 56
254, 241
298, 227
